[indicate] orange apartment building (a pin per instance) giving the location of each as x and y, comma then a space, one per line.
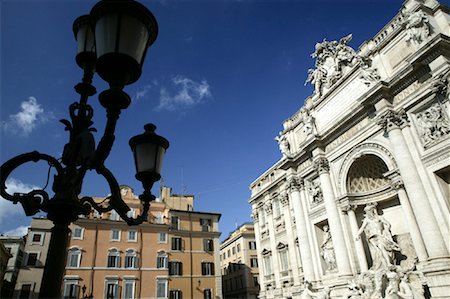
173, 255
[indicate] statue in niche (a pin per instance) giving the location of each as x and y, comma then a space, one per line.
327, 249
316, 192
433, 123
283, 144
417, 25
379, 237
307, 292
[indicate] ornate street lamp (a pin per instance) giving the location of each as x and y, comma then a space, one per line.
112, 41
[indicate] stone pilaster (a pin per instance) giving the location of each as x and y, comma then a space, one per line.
337, 232
294, 186
273, 243
392, 122
255, 216
284, 199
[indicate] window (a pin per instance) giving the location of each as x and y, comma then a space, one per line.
276, 209
238, 247
255, 281
252, 245
267, 265
161, 288
71, 289
128, 289
25, 291
175, 294
161, 260
37, 238
32, 259
132, 236
74, 257
207, 268
113, 258
130, 259
174, 222
207, 294
233, 250
228, 253
205, 224
175, 268
162, 238
114, 216
176, 243
254, 262
115, 235
77, 233
208, 245
111, 289
284, 261
224, 256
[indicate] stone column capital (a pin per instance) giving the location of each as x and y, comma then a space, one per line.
295, 184
348, 206
392, 119
321, 165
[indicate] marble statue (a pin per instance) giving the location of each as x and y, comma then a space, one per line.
283, 144
327, 249
378, 234
368, 74
309, 126
316, 192
417, 26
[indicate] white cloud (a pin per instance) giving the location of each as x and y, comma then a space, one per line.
142, 92
7, 208
18, 231
187, 93
30, 115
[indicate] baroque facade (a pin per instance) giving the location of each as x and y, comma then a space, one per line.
358, 205
239, 263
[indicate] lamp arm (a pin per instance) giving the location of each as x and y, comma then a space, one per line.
116, 202
32, 201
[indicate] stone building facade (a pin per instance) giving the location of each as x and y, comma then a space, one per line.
4, 257
15, 246
358, 205
239, 264
173, 255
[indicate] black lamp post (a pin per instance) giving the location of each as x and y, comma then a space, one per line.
112, 41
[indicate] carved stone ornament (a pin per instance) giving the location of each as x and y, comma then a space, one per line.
284, 199
322, 165
331, 58
434, 124
327, 249
255, 216
284, 145
397, 184
294, 184
417, 26
441, 86
268, 207
393, 120
315, 191
368, 74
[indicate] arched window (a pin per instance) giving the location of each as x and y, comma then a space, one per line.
74, 257
113, 258
366, 174
130, 259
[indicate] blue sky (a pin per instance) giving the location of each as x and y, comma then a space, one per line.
218, 83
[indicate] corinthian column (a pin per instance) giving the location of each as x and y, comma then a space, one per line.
392, 122
302, 232
360, 254
284, 198
337, 233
